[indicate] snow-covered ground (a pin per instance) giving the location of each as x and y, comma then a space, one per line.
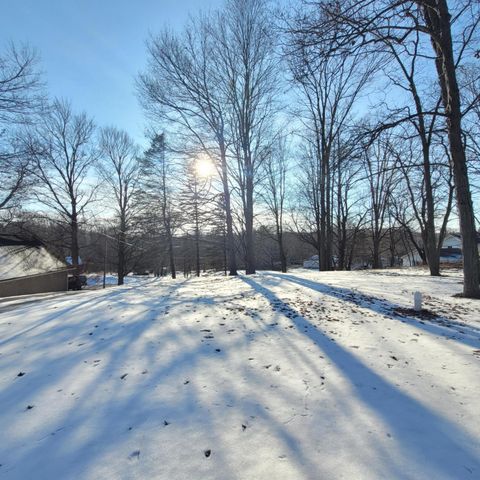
95, 280
300, 376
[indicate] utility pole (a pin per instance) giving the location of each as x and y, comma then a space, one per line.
105, 261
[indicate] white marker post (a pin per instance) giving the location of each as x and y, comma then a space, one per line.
417, 301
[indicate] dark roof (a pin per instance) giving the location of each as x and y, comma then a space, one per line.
15, 240
450, 252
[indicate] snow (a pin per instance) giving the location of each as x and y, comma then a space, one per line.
96, 279
304, 375
20, 261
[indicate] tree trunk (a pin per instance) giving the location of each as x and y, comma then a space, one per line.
121, 251
171, 252
171, 257
230, 238
225, 252
121, 258
281, 249
328, 214
342, 243
437, 18
432, 254
341, 223
428, 233
197, 236
319, 243
249, 247
322, 260
75, 250
376, 261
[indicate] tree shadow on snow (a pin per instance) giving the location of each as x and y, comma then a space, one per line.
436, 325
77, 440
424, 437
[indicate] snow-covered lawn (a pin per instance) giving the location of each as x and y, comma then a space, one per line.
304, 375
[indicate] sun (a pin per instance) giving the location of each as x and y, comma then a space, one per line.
204, 167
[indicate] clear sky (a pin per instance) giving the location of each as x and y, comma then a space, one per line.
91, 50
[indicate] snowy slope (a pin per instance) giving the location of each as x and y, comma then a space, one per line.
297, 376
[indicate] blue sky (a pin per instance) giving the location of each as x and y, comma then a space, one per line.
91, 50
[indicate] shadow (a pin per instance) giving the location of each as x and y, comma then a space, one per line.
87, 299
415, 428
106, 413
157, 335
436, 325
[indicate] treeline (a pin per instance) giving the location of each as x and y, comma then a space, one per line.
351, 127
148, 252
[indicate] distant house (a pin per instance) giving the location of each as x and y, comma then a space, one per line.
451, 251
454, 240
451, 255
27, 267
311, 262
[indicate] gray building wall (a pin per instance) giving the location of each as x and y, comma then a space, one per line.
43, 282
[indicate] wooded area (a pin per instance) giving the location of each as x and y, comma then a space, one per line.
347, 130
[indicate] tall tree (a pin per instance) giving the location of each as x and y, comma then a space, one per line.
119, 168
307, 214
157, 193
428, 185
274, 193
347, 217
248, 69
329, 89
381, 182
182, 87
21, 99
368, 26
63, 152
195, 199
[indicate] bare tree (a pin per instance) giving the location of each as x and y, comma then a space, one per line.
157, 193
21, 87
470, 88
63, 152
428, 185
307, 211
381, 182
347, 198
410, 79
182, 87
329, 89
119, 168
21, 99
245, 44
14, 173
369, 26
195, 199
274, 192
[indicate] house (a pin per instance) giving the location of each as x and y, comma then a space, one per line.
27, 267
451, 255
454, 240
451, 251
311, 262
